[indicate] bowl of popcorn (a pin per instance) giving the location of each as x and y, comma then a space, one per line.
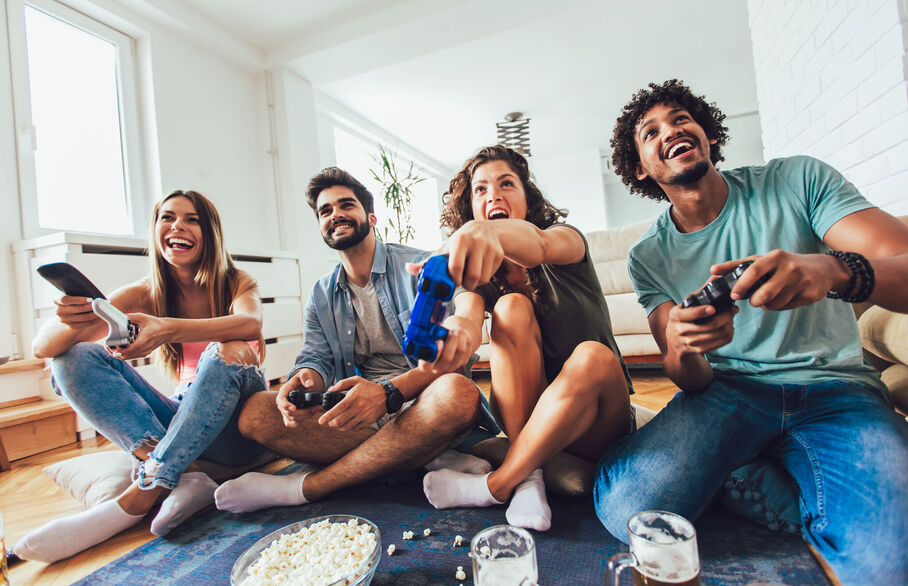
321, 551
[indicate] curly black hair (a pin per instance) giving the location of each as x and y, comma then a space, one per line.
624, 150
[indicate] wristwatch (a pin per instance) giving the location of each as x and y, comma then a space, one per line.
394, 400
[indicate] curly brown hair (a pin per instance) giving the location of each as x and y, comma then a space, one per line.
624, 150
458, 208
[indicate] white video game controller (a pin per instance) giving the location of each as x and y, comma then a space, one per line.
121, 332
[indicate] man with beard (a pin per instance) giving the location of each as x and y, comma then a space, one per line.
395, 415
782, 376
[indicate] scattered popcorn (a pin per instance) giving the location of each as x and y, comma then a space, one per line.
408, 535
460, 575
391, 549
458, 540
319, 554
426, 531
485, 551
469, 554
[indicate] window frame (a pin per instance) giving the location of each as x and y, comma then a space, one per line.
130, 118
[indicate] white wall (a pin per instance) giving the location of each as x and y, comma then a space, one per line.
574, 181
831, 83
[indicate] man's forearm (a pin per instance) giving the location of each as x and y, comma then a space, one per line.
691, 372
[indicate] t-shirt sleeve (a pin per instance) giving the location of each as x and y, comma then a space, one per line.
649, 294
828, 195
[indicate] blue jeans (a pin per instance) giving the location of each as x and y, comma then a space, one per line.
844, 446
122, 406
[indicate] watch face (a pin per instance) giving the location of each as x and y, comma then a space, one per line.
394, 399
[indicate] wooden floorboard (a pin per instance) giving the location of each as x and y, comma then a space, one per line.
30, 499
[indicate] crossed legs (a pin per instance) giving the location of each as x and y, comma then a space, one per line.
584, 409
443, 411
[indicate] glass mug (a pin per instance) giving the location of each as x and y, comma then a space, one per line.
4, 569
504, 556
663, 551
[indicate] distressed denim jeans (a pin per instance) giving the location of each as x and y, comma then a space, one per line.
842, 443
122, 406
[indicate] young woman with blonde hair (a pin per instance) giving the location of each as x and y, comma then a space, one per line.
203, 317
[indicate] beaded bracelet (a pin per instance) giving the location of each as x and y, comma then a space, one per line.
860, 268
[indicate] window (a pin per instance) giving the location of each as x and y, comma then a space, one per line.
355, 155
76, 121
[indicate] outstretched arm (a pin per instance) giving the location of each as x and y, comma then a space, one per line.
802, 279
477, 249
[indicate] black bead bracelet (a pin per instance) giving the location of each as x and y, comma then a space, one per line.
860, 268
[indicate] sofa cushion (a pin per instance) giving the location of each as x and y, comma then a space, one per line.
896, 380
627, 315
885, 333
608, 250
101, 476
637, 345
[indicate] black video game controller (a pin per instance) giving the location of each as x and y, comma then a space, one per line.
718, 291
301, 399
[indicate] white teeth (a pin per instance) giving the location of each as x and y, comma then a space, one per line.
180, 241
497, 214
674, 149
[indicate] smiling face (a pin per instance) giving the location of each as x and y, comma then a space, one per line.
497, 193
673, 148
342, 219
178, 232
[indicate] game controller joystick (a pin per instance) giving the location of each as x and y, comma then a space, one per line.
301, 399
121, 332
718, 291
433, 291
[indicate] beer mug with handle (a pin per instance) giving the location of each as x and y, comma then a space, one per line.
663, 551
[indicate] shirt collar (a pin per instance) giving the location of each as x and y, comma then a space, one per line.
379, 258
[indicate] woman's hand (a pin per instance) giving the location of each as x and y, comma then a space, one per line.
455, 350
76, 312
153, 332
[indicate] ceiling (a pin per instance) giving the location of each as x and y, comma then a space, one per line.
439, 74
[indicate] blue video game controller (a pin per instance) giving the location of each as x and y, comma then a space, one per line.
433, 292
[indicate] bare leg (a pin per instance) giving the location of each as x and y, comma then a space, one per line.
585, 409
444, 410
515, 357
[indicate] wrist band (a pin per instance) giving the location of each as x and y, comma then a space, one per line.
860, 268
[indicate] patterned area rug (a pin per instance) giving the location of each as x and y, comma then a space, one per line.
575, 550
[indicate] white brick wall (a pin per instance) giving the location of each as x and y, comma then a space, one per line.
831, 83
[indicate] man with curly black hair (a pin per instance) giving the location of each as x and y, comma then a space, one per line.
781, 377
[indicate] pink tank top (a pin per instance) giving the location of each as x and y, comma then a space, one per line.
191, 353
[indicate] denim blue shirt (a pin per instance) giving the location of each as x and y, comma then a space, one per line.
329, 326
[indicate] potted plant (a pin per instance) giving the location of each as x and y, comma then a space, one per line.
397, 190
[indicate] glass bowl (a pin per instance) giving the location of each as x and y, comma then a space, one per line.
362, 576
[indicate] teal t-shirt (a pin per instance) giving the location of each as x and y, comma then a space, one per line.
788, 204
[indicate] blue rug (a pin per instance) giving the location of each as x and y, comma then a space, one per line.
574, 551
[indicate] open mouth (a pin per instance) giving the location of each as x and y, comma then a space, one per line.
679, 148
498, 214
341, 228
180, 244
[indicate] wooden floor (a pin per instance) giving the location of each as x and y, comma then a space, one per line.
29, 499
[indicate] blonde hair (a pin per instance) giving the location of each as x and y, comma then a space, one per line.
217, 275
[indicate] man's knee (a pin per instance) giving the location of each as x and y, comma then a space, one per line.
613, 507
237, 352
512, 313
259, 415
454, 397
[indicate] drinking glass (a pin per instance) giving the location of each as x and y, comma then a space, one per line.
663, 551
504, 556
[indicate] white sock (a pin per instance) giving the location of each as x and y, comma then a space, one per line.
454, 460
449, 488
529, 508
194, 492
253, 491
68, 536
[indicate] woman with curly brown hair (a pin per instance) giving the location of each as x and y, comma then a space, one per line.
558, 382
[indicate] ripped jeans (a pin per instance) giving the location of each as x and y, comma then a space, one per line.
122, 406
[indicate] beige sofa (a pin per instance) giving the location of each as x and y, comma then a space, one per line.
608, 249
884, 336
